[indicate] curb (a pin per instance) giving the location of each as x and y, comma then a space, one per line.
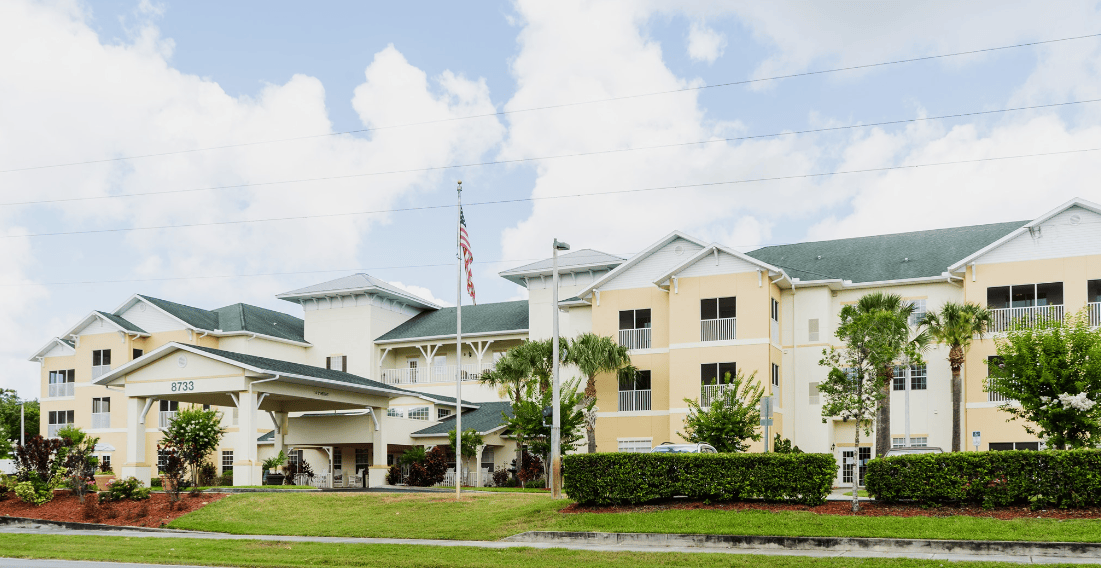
1090, 550
5, 520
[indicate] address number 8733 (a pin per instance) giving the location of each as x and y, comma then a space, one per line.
183, 386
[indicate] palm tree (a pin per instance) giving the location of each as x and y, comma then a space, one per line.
594, 354
898, 330
955, 326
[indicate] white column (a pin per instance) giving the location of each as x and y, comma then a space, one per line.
136, 464
246, 470
478, 466
377, 471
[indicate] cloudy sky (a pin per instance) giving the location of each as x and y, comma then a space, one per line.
299, 142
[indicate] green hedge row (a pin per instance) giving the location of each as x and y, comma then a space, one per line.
1056, 478
622, 478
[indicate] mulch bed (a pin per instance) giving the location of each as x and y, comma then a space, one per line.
156, 511
868, 509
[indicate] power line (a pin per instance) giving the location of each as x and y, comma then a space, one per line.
549, 197
559, 156
557, 106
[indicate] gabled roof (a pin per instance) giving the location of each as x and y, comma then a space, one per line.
575, 261
235, 319
638, 258
488, 418
197, 318
1076, 202
881, 258
119, 321
709, 250
356, 284
483, 319
111, 319
64, 343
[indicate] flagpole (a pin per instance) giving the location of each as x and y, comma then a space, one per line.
459, 345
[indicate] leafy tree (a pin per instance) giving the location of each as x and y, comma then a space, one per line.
593, 354
174, 470
956, 325
9, 415
1053, 371
39, 468
529, 425
471, 440
78, 464
732, 419
194, 433
874, 339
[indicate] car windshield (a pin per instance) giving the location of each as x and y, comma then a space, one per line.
676, 449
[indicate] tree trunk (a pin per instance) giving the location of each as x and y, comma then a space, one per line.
883, 422
590, 398
957, 395
590, 431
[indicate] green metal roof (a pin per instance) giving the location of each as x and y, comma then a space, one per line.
883, 257
488, 416
124, 324
236, 317
287, 367
484, 318
269, 437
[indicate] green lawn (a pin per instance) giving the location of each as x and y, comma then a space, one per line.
491, 516
860, 493
250, 553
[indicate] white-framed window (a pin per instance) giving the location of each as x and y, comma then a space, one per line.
812, 329
395, 412
915, 442
419, 413
101, 412
716, 373
919, 311
57, 420
61, 383
635, 445
227, 460
439, 361
442, 413
101, 362
919, 378
338, 462
105, 462
363, 459
813, 397
337, 363
774, 311
775, 375
137, 353
294, 457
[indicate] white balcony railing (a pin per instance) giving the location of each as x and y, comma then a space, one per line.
100, 370
51, 430
710, 393
721, 329
61, 389
1005, 318
995, 397
166, 418
433, 374
635, 338
1095, 313
101, 420
632, 400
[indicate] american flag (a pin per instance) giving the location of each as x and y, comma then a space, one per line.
468, 257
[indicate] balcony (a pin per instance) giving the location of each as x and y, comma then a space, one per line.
433, 374
721, 329
710, 393
635, 338
1004, 319
51, 430
1094, 313
100, 370
61, 389
633, 400
101, 420
995, 397
166, 418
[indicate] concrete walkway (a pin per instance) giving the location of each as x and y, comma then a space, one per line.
34, 528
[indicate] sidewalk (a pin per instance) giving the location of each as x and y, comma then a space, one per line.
838, 494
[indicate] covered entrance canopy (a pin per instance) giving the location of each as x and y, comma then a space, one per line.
262, 390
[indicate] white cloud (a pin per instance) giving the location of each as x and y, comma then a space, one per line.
422, 293
704, 43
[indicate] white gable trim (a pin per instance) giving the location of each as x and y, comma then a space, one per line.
1076, 202
638, 258
138, 298
772, 270
50, 345
96, 315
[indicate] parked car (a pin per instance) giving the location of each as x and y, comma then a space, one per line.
906, 451
671, 448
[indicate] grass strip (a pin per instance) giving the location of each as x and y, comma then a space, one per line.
251, 553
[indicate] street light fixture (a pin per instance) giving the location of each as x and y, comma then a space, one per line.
556, 411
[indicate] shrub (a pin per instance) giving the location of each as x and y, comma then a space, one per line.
531, 470
393, 475
7, 483
155, 482
130, 488
172, 471
622, 478
227, 478
208, 474
500, 478
194, 433
430, 471
1060, 478
293, 470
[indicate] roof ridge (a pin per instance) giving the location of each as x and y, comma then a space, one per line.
1022, 223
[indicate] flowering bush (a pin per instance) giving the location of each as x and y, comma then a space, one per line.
194, 433
129, 488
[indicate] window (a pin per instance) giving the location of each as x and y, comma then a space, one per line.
918, 378
634, 329
138, 353
775, 311
1093, 291
640, 381
169, 405
717, 308
439, 361
168, 412
419, 413
716, 373
61, 382
101, 362
363, 459
58, 419
1025, 295
294, 457
919, 312
338, 463
162, 459
487, 458
775, 375
101, 412
105, 462
812, 329
101, 405
813, 398
442, 413
847, 465
635, 445
337, 363
915, 442
227, 461
395, 412
634, 319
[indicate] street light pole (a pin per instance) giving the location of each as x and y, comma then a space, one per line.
556, 394
22, 427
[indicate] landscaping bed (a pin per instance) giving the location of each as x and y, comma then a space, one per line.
153, 512
868, 509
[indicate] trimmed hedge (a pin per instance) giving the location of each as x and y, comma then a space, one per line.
622, 478
1060, 478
